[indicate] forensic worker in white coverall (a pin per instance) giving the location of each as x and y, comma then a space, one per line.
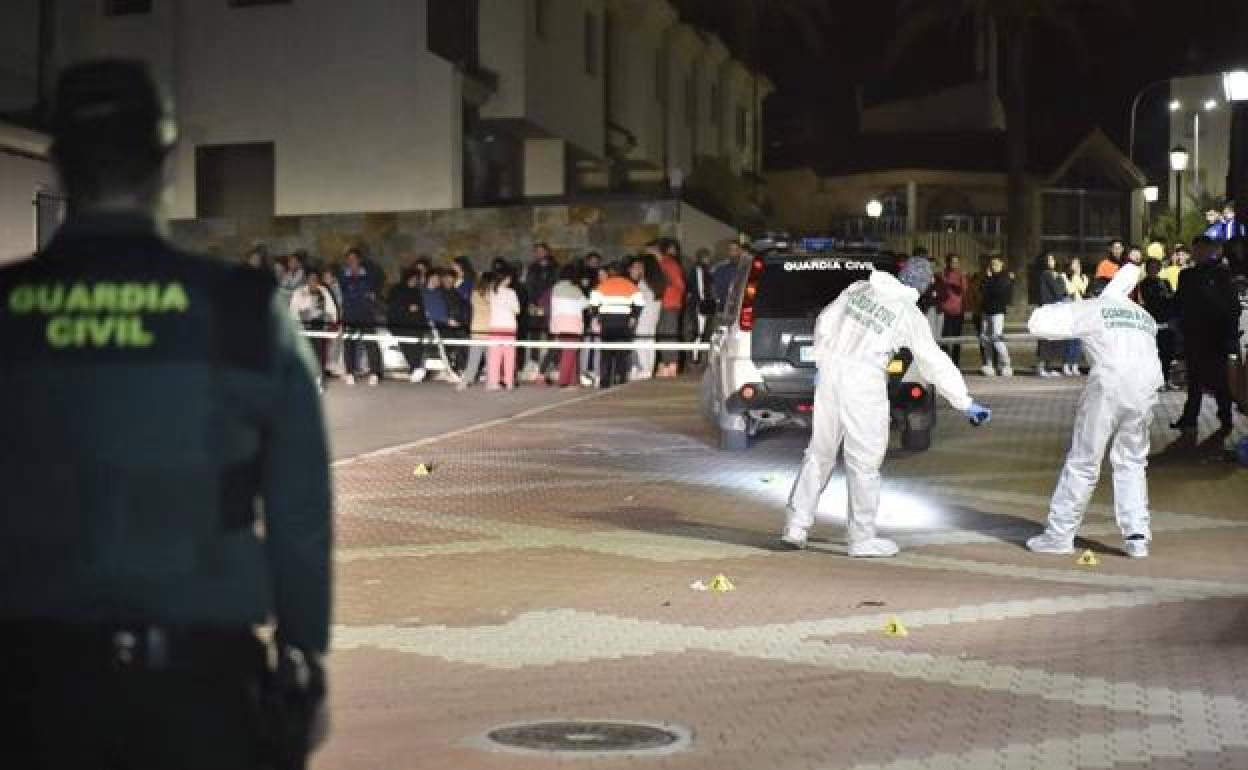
1115, 411
855, 338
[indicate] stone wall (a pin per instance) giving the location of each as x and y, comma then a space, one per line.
392, 239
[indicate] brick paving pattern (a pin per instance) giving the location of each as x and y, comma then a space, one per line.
543, 572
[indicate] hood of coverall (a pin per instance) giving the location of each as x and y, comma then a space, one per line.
848, 341
1124, 282
888, 285
1127, 366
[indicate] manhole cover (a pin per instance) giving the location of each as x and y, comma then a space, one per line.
588, 738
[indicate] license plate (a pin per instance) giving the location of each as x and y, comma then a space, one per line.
807, 354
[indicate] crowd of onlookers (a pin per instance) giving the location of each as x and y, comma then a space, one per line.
658, 296
1195, 295
653, 295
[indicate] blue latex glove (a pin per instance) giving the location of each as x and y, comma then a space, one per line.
978, 414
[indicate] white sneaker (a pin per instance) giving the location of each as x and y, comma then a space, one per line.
876, 547
419, 374
1136, 548
1041, 371
587, 381
794, 537
349, 379
1051, 543
373, 380
987, 371
461, 387
1007, 372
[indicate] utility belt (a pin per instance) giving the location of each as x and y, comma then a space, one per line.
290, 692
30, 644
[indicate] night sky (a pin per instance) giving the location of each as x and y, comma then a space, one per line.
1152, 40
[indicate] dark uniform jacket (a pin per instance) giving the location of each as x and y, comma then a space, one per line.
539, 279
1157, 299
153, 406
406, 316
997, 291
1052, 287
1208, 309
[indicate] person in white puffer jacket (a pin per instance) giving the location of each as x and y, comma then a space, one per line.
855, 338
1115, 411
313, 305
568, 305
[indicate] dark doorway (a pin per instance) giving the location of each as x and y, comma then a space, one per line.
235, 181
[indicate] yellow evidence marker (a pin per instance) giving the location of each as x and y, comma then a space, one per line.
895, 627
1088, 559
721, 584
422, 470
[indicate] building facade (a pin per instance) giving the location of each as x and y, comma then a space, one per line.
304, 107
19, 55
290, 108
1080, 196
29, 208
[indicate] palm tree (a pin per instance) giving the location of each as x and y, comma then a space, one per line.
1016, 21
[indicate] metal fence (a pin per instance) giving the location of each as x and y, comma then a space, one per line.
939, 244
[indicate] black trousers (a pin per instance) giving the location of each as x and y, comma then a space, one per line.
536, 329
65, 708
1166, 348
615, 363
1206, 369
457, 354
952, 327
351, 349
414, 352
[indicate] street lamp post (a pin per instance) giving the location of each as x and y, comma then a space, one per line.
1178, 164
1235, 84
1135, 106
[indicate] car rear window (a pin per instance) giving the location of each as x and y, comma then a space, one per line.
801, 287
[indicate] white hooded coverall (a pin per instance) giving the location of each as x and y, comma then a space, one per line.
1116, 408
855, 338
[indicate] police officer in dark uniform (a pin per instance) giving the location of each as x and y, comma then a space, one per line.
165, 478
1208, 311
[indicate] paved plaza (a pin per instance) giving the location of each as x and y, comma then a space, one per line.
542, 570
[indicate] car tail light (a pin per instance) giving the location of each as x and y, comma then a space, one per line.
805, 408
917, 393
751, 293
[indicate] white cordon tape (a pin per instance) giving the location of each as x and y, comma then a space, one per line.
1009, 338
691, 347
